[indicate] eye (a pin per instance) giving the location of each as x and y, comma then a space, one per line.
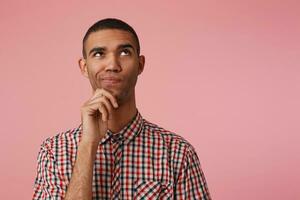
98, 54
125, 52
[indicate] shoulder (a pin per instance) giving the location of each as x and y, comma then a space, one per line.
62, 140
172, 140
180, 152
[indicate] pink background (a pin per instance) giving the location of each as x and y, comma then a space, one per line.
223, 74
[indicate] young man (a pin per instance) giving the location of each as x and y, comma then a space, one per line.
115, 153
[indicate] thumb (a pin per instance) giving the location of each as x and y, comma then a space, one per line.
103, 126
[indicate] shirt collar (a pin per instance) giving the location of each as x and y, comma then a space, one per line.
127, 133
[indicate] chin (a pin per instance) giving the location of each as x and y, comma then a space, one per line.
117, 94
121, 95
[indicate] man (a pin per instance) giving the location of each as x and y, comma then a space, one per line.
115, 153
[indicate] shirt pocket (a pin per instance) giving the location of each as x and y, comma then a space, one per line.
150, 190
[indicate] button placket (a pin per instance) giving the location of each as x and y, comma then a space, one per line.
116, 181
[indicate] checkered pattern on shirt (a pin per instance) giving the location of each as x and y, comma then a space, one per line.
142, 161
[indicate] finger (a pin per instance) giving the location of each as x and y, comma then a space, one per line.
98, 106
103, 112
100, 92
111, 98
108, 107
103, 126
106, 103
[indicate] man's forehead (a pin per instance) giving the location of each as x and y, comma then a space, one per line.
109, 38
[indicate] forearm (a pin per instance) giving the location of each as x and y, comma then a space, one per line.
80, 186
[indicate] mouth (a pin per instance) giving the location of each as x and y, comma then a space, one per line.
109, 81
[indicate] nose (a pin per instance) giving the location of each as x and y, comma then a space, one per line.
113, 64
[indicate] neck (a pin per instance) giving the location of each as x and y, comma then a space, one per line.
121, 116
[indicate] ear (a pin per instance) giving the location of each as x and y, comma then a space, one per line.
141, 64
83, 67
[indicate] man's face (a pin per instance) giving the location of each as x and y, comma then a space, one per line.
112, 62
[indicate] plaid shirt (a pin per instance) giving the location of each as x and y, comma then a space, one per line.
142, 161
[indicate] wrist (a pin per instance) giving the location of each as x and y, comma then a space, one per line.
90, 143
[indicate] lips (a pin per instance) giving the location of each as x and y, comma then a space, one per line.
110, 80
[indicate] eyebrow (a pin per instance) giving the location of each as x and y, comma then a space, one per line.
124, 46
96, 49
121, 46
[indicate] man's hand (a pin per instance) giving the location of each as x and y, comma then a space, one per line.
95, 113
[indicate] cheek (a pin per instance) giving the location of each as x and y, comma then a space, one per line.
92, 65
133, 77
93, 68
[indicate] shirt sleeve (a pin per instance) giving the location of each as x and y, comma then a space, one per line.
191, 183
48, 182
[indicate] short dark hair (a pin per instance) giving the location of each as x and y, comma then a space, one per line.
110, 23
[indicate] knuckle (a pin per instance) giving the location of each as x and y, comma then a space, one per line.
82, 108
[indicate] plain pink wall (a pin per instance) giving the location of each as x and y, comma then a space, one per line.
223, 74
